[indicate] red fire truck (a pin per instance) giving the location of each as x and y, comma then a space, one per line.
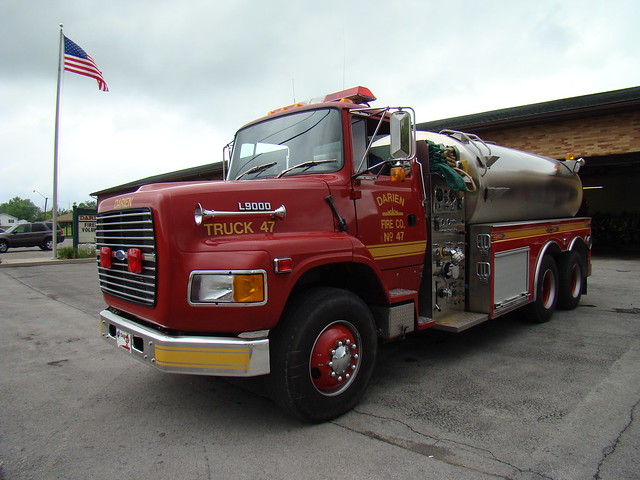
338, 226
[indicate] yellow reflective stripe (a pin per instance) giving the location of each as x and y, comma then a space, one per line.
537, 231
215, 358
396, 250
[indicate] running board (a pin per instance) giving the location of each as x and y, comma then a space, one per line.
459, 321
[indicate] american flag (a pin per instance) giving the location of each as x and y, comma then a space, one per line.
76, 60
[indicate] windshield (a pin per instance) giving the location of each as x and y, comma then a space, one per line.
296, 144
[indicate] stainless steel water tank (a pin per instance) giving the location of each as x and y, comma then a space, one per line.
511, 185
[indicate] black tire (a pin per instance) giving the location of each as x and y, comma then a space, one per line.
323, 354
4, 246
47, 245
546, 297
571, 280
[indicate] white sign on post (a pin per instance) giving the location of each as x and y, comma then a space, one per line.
86, 229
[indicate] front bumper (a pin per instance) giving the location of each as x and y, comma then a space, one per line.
197, 355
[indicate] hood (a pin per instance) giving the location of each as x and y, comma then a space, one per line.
236, 212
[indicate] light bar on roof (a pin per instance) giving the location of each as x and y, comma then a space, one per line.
357, 95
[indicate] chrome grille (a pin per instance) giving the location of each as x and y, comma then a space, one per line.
122, 230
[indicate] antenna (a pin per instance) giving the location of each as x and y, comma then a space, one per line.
344, 58
293, 89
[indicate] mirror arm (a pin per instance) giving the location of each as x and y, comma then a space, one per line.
368, 169
366, 152
226, 148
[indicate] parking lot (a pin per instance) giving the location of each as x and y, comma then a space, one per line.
30, 255
505, 400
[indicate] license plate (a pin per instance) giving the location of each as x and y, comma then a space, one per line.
124, 339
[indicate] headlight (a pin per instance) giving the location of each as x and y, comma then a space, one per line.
212, 287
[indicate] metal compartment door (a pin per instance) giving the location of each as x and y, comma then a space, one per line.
499, 281
511, 279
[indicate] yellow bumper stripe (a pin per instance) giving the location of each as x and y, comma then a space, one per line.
214, 358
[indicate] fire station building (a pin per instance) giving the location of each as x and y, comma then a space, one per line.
602, 128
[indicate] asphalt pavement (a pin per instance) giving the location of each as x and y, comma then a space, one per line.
504, 400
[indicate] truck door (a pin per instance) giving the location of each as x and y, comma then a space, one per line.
390, 215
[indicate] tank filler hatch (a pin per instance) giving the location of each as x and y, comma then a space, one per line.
486, 158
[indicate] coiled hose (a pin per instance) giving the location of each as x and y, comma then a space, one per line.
443, 162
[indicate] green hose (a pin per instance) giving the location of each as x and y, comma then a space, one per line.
438, 164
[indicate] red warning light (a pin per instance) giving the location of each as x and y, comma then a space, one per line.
105, 257
357, 95
134, 260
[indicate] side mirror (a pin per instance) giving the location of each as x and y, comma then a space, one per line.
401, 135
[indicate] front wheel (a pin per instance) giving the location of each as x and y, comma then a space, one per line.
544, 305
4, 246
323, 354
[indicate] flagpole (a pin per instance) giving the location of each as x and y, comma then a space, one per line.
54, 210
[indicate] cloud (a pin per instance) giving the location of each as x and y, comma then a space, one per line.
183, 76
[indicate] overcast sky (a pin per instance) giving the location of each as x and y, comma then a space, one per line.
184, 75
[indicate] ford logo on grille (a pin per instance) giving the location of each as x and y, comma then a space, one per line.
120, 254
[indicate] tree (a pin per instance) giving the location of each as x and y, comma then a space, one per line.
22, 209
89, 204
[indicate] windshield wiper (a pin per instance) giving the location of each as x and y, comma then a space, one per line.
256, 169
308, 164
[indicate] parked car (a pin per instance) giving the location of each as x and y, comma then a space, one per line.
34, 234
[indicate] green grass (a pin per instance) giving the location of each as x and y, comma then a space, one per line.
84, 251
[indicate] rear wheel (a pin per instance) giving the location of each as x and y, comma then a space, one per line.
4, 246
47, 245
323, 354
544, 305
571, 280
